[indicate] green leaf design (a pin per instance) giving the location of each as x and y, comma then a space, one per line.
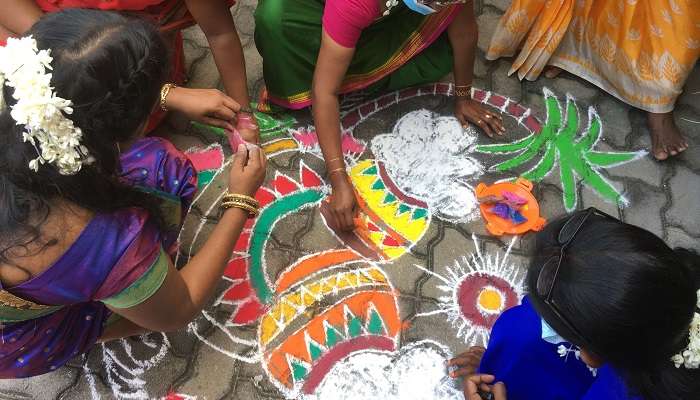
544, 166
558, 141
588, 140
527, 155
506, 147
568, 186
603, 159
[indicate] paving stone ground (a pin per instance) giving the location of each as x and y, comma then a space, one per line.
213, 360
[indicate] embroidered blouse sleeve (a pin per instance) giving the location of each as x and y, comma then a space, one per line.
344, 20
140, 271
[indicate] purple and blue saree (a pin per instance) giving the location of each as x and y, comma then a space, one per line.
120, 259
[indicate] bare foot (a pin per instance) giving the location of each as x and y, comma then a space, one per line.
552, 72
666, 139
467, 363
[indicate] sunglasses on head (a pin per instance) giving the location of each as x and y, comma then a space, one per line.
547, 278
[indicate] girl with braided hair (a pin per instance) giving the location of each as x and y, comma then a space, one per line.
209, 106
85, 239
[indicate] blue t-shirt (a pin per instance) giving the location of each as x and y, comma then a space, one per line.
534, 369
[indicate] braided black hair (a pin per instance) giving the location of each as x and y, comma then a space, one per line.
111, 67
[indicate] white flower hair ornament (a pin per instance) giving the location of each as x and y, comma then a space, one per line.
690, 356
56, 139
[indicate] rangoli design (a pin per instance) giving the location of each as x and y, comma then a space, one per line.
333, 312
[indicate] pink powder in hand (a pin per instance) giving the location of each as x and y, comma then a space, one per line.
245, 121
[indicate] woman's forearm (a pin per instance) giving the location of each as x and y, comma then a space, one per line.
331, 66
17, 16
228, 55
327, 118
203, 272
215, 20
463, 35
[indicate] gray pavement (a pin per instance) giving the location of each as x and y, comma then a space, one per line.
433, 279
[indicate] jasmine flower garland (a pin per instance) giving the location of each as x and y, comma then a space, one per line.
690, 356
57, 140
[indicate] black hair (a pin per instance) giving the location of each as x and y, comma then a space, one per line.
630, 296
111, 67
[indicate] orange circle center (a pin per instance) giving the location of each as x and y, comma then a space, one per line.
490, 300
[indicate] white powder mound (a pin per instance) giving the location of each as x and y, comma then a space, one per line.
416, 372
427, 157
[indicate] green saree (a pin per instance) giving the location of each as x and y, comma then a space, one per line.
399, 50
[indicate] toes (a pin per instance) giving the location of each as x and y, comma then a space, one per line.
660, 155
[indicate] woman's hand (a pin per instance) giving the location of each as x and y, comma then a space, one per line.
250, 135
468, 110
467, 363
247, 126
479, 387
18, 16
247, 172
208, 106
343, 205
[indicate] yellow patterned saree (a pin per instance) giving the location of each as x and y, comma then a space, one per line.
640, 51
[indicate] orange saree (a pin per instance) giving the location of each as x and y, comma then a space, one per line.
640, 51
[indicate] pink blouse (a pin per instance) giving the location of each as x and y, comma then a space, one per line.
344, 20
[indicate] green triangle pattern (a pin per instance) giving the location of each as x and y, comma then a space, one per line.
205, 177
314, 350
370, 171
375, 325
403, 209
331, 336
299, 372
419, 213
378, 185
389, 198
355, 327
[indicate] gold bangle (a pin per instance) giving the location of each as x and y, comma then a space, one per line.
240, 200
334, 159
238, 204
240, 197
252, 211
164, 92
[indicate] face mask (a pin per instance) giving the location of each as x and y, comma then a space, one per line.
418, 7
549, 335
